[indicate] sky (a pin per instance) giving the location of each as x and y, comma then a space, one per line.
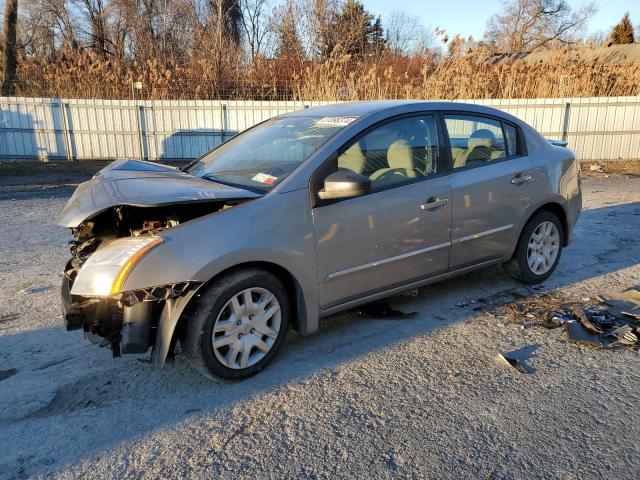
469, 17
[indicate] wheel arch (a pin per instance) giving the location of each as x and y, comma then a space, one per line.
291, 285
551, 206
559, 211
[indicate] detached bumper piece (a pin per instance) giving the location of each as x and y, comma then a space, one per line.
127, 324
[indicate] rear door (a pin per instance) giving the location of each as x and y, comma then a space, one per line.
491, 186
399, 232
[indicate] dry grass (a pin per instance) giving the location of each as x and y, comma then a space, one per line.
560, 73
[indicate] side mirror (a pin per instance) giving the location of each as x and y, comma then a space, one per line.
344, 184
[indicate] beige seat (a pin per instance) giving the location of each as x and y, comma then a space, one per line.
400, 161
353, 159
481, 147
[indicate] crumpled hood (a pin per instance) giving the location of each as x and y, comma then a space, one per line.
142, 184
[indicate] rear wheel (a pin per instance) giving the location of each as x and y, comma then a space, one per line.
538, 251
237, 325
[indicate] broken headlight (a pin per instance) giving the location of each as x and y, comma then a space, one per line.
106, 270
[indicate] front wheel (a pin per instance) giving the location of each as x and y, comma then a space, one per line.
538, 251
238, 324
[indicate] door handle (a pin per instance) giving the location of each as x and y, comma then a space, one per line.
520, 178
434, 202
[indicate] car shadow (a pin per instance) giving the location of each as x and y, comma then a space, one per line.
69, 400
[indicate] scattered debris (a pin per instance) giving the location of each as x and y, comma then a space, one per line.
596, 168
554, 321
36, 290
614, 323
383, 310
517, 358
582, 318
601, 327
577, 333
625, 335
624, 304
513, 363
4, 374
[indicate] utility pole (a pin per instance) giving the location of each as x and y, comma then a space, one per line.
10, 60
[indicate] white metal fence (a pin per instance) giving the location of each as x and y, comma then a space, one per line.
603, 128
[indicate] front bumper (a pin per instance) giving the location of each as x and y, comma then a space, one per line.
128, 323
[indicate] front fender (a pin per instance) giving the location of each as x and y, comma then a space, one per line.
276, 229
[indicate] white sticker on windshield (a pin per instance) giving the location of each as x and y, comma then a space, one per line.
264, 178
335, 121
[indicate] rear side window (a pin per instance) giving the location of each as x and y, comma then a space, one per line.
476, 139
511, 135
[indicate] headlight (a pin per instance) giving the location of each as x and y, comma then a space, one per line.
105, 271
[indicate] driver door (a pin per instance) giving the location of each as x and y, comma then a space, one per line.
397, 234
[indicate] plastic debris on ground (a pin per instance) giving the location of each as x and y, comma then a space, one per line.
383, 310
512, 362
613, 323
517, 359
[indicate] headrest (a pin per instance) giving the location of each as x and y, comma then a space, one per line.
399, 155
481, 138
353, 158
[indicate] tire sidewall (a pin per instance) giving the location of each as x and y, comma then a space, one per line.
218, 296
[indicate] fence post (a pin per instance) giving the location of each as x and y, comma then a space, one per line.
565, 122
140, 115
223, 119
65, 129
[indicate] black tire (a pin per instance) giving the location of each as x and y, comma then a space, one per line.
197, 338
518, 266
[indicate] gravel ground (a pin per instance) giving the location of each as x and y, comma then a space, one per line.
417, 397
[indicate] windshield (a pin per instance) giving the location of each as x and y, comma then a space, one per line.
264, 155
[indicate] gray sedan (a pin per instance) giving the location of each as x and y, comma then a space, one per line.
305, 215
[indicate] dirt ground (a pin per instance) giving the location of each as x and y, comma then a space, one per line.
376, 398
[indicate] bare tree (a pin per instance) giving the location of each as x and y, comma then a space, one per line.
525, 25
10, 57
256, 24
95, 15
406, 35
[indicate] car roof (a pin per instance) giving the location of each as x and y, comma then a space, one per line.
361, 109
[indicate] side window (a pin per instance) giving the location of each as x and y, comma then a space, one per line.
474, 139
395, 153
512, 139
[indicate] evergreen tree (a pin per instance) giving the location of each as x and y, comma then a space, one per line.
377, 38
623, 31
357, 30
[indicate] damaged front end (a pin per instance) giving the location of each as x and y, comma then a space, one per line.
110, 239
